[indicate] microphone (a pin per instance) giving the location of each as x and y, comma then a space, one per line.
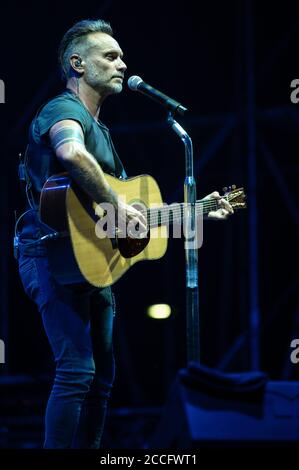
136, 83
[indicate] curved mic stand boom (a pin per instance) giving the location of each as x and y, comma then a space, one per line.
191, 252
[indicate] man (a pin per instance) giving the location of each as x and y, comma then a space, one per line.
66, 134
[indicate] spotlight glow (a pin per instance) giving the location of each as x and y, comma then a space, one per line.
159, 311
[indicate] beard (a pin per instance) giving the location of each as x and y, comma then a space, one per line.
100, 83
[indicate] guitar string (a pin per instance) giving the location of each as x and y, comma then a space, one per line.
156, 216
163, 215
176, 213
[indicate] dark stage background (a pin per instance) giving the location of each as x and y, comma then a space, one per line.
231, 63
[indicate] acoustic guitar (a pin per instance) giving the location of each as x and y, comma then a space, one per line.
76, 251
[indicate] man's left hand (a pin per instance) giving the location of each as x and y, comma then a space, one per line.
224, 207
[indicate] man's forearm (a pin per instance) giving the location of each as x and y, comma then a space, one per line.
86, 171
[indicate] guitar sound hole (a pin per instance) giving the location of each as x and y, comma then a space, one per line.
141, 208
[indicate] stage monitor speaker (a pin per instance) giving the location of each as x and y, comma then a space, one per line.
192, 418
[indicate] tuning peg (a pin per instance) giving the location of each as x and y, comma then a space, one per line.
225, 189
233, 186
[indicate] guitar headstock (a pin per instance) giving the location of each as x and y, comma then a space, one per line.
235, 196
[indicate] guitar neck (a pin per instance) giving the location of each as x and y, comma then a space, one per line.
175, 213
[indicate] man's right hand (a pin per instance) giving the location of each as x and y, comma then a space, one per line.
130, 219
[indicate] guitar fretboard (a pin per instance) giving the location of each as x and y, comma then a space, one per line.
177, 212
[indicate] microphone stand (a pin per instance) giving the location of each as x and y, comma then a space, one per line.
191, 252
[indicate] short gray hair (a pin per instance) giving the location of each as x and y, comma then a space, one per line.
75, 40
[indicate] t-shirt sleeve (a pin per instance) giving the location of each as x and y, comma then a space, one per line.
58, 110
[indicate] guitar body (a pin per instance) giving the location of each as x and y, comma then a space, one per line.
82, 255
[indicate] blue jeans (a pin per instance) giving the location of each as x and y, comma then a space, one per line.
78, 323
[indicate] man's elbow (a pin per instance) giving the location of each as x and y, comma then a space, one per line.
70, 153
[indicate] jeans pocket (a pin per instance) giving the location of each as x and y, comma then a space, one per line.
30, 279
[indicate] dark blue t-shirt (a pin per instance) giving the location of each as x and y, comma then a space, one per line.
41, 161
